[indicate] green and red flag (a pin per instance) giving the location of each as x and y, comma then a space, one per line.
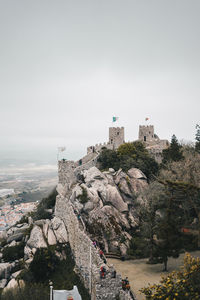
115, 119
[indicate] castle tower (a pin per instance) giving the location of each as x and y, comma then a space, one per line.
116, 136
146, 133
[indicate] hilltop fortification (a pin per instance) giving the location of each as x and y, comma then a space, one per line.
116, 138
153, 144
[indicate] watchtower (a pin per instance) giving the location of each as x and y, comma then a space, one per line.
146, 133
116, 136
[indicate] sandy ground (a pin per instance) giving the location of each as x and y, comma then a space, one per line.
140, 274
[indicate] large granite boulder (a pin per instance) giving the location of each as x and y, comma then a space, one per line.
59, 230
51, 237
136, 173
36, 239
5, 269
114, 198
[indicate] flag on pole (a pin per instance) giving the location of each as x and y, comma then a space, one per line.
115, 119
61, 149
146, 119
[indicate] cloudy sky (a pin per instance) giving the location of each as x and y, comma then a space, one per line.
68, 66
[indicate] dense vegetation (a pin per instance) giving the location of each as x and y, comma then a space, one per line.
12, 253
179, 285
129, 155
44, 206
32, 291
169, 217
170, 221
46, 267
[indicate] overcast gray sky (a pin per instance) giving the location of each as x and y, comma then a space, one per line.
68, 66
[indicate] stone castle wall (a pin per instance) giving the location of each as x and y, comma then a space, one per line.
146, 133
85, 254
152, 142
116, 138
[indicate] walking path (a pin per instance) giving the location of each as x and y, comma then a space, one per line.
140, 274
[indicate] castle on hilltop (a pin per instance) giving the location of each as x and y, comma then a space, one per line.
153, 144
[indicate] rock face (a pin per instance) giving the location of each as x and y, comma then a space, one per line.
91, 206
107, 208
36, 239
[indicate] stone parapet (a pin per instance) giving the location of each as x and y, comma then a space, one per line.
86, 256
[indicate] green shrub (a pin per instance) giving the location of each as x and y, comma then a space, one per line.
127, 156
83, 198
33, 291
14, 252
3, 242
46, 203
46, 266
43, 264
24, 219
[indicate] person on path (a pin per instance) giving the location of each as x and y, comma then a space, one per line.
101, 254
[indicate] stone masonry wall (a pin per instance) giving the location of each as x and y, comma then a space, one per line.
81, 245
85, 254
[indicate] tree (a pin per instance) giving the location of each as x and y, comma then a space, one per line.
148, 205
44, 264
179, 285
160, 223
168, 234
108, 159
184, 178
127, 156
173, 153
127, 149
197, 138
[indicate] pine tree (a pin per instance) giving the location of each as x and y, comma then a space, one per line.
174, 152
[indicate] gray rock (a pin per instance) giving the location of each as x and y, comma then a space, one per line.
119, 176
14, 275
15, 237
77, 191
113, 196
88, 206
40, 222
59, 230
13, 243
136, 173
19, 228
123, 186
5, 269
3, 283
137, 185
45, 228
123, 249
27, 252
30, 220
13, 284
36, 239
92, 174
51, 237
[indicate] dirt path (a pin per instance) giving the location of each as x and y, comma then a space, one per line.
140, 273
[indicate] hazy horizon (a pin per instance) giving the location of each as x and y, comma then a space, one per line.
68, 67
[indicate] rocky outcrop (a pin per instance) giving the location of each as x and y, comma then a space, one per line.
114, 198
36, 239
91, 206
107, 208
5, 269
